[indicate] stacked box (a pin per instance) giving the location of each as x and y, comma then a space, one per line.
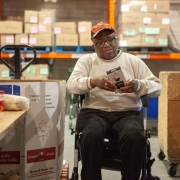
36, 71
38, 26
84, 30
4, 72
145, 22
169, 115
66, 34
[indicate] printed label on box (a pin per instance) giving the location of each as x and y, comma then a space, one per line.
57, 31
144, 8
123, 43
44, 71
24, 40
32, 41
9, 157
165, 21
124, 8
33, 19
5, 73
34, 30
47, 20
10, 39
42, 28
81, 29
147, 20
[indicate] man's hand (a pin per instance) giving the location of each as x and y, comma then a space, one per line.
130, 86
102, 82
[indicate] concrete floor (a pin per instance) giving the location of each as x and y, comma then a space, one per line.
159, 167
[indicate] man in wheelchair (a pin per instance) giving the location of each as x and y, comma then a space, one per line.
109, 107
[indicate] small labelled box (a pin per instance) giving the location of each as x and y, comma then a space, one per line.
65, 28
45, 17
67, 40
11, 27
30, 16
131, 17
85, 40
148, 40
45, 29
84, 27
7, 39
40, 39
31, 28
21, 39
117, 77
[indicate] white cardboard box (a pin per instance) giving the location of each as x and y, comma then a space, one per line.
44, 128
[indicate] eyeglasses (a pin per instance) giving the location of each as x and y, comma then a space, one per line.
109, 40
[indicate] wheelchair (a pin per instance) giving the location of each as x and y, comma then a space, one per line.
111, 156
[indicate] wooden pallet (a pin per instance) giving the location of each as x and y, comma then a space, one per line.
145, 49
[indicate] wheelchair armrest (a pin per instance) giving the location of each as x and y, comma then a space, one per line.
78, 99
144, 100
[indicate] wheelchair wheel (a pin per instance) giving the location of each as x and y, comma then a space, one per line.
161, 155
172, 169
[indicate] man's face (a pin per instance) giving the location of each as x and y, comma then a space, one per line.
105, 44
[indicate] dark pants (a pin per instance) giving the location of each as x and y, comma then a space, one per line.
126, 126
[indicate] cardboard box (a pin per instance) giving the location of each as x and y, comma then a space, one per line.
31, 28
131, 17
169, 115
84, 27
15, 18
30, 72
67, 39
129, 29
21, 39
7, 39
44, 128
158, 6
45, 29
40, 39
11, 27
163, 28
65, 28
130, 41
4, 72
85, 40
30, 16
148, 40
161, 41
45, 17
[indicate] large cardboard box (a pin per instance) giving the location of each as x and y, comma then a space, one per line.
21, 39
65, 28
7, 39
40, 39
158, 6
30, 16
148, 40
67, 40
11, 27
130, 29
169, 115
130, 41
44, 129
161, 41
85, 40
45, 17
31, 28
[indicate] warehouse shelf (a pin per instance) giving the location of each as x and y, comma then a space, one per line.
60, 56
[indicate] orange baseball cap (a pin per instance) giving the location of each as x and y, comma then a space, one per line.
99, 27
